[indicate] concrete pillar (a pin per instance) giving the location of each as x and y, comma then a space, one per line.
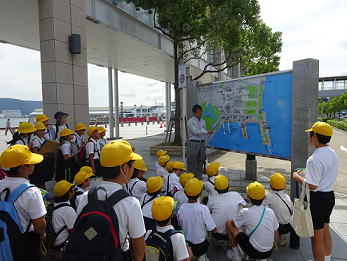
116, 103
110, 103
236, 71
304, 99
64, 75
168, 103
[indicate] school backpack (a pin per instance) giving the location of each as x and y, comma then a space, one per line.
51, 235
73, 199
95, 235
159, 246
11, 237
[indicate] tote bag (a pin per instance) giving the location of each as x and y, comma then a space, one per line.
302, 219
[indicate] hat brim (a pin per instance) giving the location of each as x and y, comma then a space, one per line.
309, 130
135, 156
34, 159
80, 129
29, 131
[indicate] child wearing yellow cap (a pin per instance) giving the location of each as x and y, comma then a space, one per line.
161, 170
93, 150
212, 170
67, 163
44, 119
80, 131
82, 182
164, 233
159, 154
43, 171
180, 196
225, 205
281, 204
195, 219
102, 141
153, 185
259, 225
20, 161
136, 187
62, 215
172, 181
23, 134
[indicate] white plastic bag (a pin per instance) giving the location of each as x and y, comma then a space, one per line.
302, 219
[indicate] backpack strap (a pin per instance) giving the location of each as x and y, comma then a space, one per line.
61, 205
211, 182
93, 193
261, 219
132, 187
168, 184
18, 191
117, 196
149, 200
290, 211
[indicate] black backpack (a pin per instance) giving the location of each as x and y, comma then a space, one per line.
51, 235
73, 199
159, 246
95, 234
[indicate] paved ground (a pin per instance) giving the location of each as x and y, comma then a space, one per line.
233, 167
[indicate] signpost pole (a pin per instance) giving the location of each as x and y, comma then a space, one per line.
304, 99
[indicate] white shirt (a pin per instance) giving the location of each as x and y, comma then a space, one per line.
64, 216
78, 198
209, 187
48, 134
23, 141
157, 166
178, 242
29, 205
262, 239
66, 148
128, 212
37, 141
147, 208
92, 147
78, 140
102, 142
224, 207
278, 206
181, 197
162, 172
136, 188
53, 130
195, 220
322, 168
174, 183
196, 129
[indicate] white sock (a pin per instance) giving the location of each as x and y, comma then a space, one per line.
328, 258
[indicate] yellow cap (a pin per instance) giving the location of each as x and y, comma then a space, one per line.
154, 184
213, 168
26, 127
41, 117
163, 159
65, 132
162, 208
140, 165
161, 153
101, 129
18, 155
91, 129
256, 191
185, 177
39, 126
82, 176
117, 153
80, 126
86, 169
193, 187
178, 165
61, 188
277, 181
322, 128
169, 166
221, 182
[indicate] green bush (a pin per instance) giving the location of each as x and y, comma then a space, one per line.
338, 124
325, 119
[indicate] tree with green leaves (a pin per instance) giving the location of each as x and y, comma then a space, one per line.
231, 29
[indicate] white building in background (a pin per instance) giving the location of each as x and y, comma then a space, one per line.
11, 114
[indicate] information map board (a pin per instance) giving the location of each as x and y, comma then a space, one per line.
250, 115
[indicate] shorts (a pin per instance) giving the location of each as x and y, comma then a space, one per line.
322, 204
199, 249
243, 240
220, 236
284, 229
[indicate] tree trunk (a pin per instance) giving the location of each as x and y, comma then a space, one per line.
178, 138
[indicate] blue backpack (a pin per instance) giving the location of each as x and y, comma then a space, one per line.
11, 237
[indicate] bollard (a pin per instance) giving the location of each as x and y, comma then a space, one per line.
135, 123
153, 122
121, 124
141, 122
129, 123
146, 129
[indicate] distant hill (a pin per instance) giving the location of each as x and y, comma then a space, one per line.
26, 107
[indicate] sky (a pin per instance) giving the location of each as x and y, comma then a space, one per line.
311, 29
